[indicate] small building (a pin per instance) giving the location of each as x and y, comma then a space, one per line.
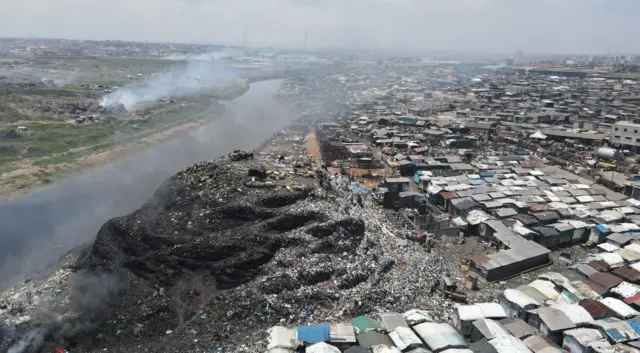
550, 322
616, 331
417, 316
516, 303
517, 327
467, 314
620, 308
391, 321
282, 338
509, 344
539, 344
372, 338
405, 339
579, 339
439, 336
487, 329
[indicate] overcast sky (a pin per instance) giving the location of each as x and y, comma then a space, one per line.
547, 26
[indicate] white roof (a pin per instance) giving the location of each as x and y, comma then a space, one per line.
282, 337
608, 247
404, 337
585, 198
520, 299
612, 259
322, 347
492, 310
509, 344
633, 247
385, 349
547, 288
342, 332
577, 314
626, 289
619, 307
417, 316
469, 312
635, 266
494, 328
439, 336
584, 336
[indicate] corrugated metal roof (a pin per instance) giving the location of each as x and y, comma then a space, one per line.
492, 310
555, 319
627, 273
282, 337
577, 314
619, 307
596, 309
439, 336
517, 327
605, 279
626, 289
342, 333
385, 349
417, 316
321, 348
509, 344
372, 338
547, 288
540, 345
390, 321
617, 330
584, 336
469, 312
404, 338
490, 329
533, 293
520, 299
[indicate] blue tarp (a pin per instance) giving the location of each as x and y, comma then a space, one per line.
313, 333
635, 324
615, 335
477, 182
602, 228
357, 188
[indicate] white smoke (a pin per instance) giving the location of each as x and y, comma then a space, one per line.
182, 81
33, 338
210, 56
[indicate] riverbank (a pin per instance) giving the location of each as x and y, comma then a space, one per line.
41, 226
127, 139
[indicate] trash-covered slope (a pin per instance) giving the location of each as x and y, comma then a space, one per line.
228, 248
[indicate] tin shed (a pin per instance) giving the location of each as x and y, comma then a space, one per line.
577, 340
439, 336
405, 339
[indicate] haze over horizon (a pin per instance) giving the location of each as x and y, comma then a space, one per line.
497, 26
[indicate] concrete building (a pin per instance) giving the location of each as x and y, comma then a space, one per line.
626, 134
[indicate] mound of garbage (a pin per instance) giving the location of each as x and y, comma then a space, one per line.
222, 251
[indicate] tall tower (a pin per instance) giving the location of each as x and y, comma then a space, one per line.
244, 39
305, 40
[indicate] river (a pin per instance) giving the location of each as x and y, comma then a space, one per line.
39, 227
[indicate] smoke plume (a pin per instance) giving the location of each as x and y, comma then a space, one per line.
185, 80
211, 56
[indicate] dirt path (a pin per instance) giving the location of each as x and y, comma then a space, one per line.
312, 146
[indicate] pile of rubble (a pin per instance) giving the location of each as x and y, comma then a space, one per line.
214, 259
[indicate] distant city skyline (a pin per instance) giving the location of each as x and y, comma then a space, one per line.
490, 26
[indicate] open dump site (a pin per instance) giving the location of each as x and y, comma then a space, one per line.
222, 251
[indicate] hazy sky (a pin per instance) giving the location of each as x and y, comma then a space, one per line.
580, 26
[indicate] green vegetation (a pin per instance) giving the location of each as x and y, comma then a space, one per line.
54, 139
